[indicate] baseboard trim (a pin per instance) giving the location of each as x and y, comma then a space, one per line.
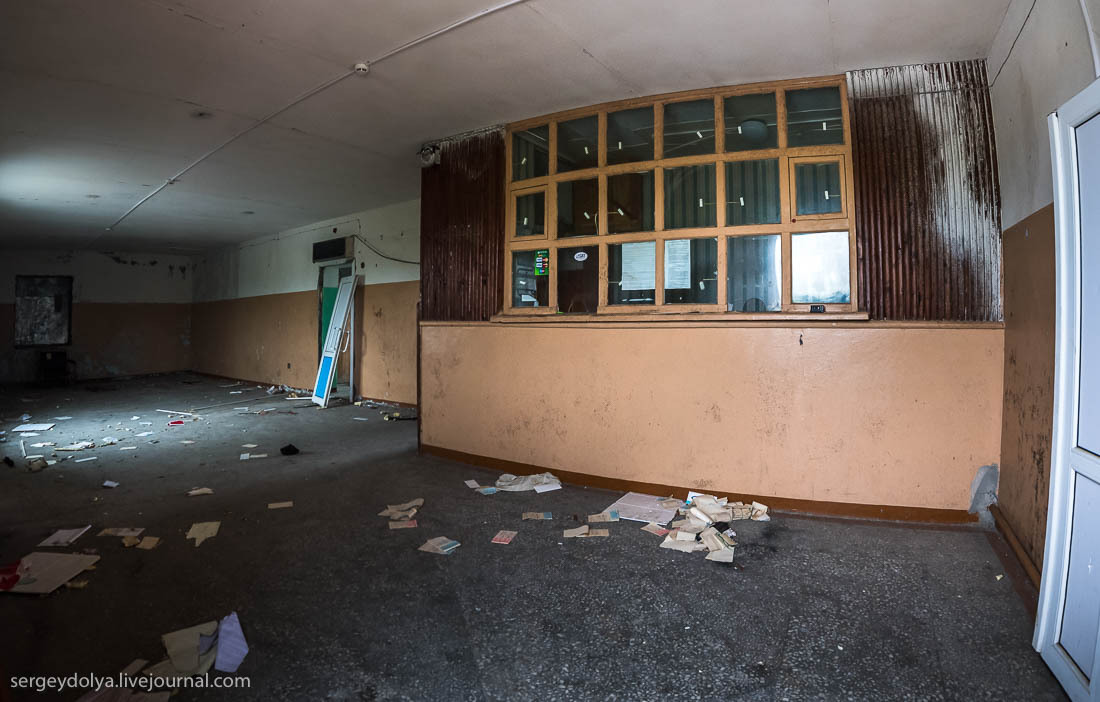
894, 513
1014, 543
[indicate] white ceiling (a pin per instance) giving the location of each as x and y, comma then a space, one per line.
97, 97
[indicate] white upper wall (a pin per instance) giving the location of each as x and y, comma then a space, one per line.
104, 276
1036, 63
283, 263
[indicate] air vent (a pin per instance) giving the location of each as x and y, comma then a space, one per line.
333, 249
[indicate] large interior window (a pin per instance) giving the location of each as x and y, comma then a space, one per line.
729, 200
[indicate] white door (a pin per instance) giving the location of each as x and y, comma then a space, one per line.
1067, 628
335, 336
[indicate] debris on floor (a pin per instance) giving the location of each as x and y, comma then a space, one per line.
148, 543
289, 450
604, 517
655, 528
402, 524
472, 484
83, 460
33, 427
232, 647
121, 531
705, 526
65, 537
400, 416
280, 505
78, 446
191, 651
639, 507
547, 487
41, 573
512, 483
195, 492
488, 490
441, 545
537, 515
201, 531
404, 511
504, 537
573, 533
110, 484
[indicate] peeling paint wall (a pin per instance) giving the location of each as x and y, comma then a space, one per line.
131, 312
864, 414
1039, 59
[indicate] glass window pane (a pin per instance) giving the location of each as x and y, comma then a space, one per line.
691, 271
819, 268
631, 272
531, 278
689, 128
579, 280
578, 144
755, 274
752, 192
814, 117
690, 197
531, 214
817, 188
751, 122
630, 202
531, 153
630, 135
578, 207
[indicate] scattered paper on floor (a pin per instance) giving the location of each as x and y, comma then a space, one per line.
403, 511
201, 531
64, 537
639, 507
42, 572
402, 523
578, 531
232, 647
472, 484
187, 647
655, 528
537, 515
441, 545
604, 517
121, 531
513, 483
280, 505
195, 492
33, 427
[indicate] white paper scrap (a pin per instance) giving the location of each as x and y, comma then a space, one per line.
548, 487
64, 537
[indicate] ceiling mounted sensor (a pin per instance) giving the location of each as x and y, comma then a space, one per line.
429, 155
362, 68
753, 130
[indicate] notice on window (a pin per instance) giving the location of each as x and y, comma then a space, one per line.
639, 266
678, 264
542, 262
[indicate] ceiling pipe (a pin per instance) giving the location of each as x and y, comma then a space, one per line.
361, 69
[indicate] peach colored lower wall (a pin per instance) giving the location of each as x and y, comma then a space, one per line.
108, 340
871, 414
387, 341
268, 338
273, 339
1029, 282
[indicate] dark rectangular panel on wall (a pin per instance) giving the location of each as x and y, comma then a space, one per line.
462, 230
927, 201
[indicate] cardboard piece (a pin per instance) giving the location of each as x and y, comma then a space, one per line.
724, 555
504, 537
537, 515
402, 524
65, 537
573, 533
201, 531
33, 427
42, 573
148, 543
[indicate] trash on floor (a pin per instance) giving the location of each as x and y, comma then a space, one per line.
604, 517
639, 507
760, 512
192, 651
121, 531
573, 533
108, 441
537, 515
62, 419
232, 647
488, 490
144, 433
187, 442
175, 423
148, 543
441, 545
65, 537
41, 573
188, 414
201, 531
400, 416
361, 419
127, 448
34, 427
403, 511
655, 528
43, 444
110, 484
82, 460
36, 464
512, 483
547, 487
504, 537
249, 446
472, 484
195, 492
78, 446
402, 524
289, 450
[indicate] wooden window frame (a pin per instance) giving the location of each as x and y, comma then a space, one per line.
789, 223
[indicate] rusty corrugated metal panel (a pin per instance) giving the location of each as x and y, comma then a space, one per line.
928, 227
462, 230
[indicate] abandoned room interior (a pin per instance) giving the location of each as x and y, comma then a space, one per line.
549, 350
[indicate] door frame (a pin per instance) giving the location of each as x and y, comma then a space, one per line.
1067, 221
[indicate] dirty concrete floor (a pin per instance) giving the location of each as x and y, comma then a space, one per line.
336, 606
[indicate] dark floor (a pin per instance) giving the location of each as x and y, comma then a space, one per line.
338, 607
